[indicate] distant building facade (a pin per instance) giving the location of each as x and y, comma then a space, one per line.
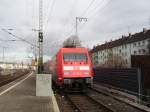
118, 53
13, 65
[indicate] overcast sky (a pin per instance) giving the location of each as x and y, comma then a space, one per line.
107, 20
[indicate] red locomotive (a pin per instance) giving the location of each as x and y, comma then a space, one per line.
73, 68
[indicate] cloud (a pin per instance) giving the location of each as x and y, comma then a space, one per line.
106, 21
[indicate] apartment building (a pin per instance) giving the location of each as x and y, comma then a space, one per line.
118, 53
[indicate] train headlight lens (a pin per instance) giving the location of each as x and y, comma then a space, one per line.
60, 78
84, 68
86, 73
66, 73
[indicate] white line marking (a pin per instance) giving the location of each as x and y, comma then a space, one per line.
55, 105
14, 85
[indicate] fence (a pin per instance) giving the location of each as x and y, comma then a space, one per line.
134, 81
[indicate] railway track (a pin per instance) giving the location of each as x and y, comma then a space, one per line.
112, 102
84, 103
92, 101
79, 102
9, 78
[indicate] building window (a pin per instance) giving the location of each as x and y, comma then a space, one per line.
125, 46
119, 50
126, 61
139, 51
143, 42
134, 45
125, 53
134, 52
143, 50
139, 43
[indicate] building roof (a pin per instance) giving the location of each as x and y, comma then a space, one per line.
124, 40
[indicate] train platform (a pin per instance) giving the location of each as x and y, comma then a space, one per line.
20, 96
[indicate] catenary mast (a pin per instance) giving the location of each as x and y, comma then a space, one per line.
40, 37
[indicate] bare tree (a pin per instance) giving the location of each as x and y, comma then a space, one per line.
113, 61
72, 41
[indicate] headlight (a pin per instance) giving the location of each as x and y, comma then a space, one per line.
66, 73
86, 73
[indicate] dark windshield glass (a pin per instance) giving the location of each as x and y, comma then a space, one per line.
75, 57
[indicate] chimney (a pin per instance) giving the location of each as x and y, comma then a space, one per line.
130, 35
123, 36
144, 30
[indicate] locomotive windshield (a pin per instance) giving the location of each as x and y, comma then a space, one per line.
75, 57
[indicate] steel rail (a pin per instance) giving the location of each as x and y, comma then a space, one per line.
114, 97
92, 101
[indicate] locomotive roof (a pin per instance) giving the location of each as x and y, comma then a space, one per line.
74, 50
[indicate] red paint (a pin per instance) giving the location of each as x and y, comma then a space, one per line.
76, 72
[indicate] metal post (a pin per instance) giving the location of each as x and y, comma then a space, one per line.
149, 21
139, 85
3, 54
40, 60
80, 20
36, 51
76, 27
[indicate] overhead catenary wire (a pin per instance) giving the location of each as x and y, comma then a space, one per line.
49, 13
86, 10
8, 40
90, 4
99, 5
100, 9
83, 13
91, 14
67, 25
105, 4
86, 13
20, 38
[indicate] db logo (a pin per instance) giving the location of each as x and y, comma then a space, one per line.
76, 67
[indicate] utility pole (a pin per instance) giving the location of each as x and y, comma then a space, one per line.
35, 51
80, 19
3, 54
149, 21
40, 39
3, 58
129, 30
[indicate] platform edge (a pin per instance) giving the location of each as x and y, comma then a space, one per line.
55, 105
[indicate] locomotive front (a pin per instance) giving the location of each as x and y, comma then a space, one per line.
74, 68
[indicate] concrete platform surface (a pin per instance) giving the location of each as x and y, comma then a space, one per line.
22, 98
